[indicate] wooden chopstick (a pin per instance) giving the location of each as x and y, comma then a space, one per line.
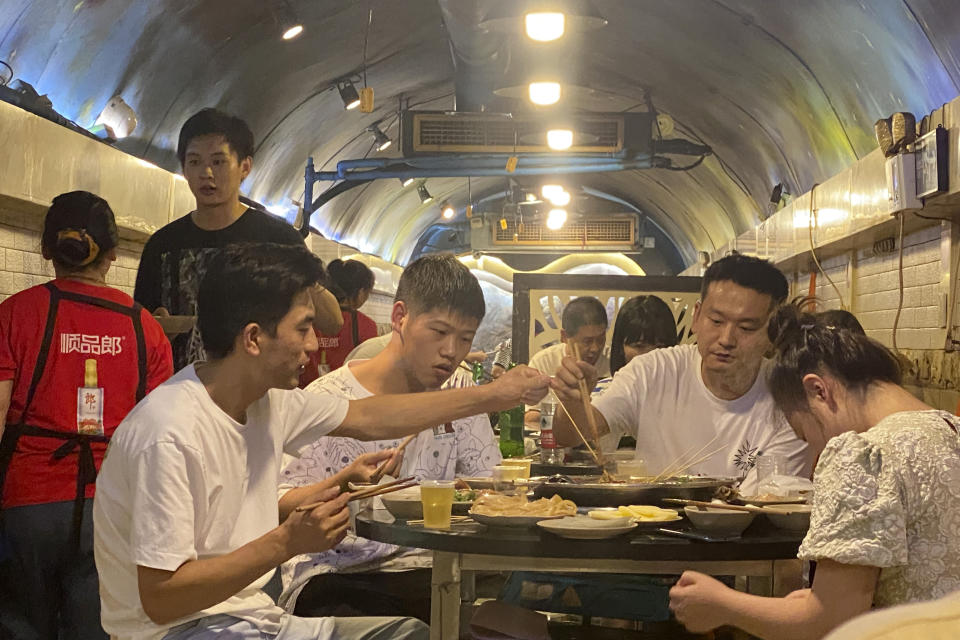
374, 494
580, 433
453, 520
378, 473
585, 398
716, 505
362, 493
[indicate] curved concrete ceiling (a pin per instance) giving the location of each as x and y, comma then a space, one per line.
782, 91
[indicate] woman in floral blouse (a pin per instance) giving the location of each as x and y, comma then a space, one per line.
885, 527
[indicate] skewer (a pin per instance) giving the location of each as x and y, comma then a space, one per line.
605, 476
674, 467
364, 493
700, 459
378, 473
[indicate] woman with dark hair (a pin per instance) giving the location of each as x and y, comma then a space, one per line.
71, 348
886, 508
351, 282
643, 324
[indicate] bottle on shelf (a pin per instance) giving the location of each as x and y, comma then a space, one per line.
90, 401
511, 430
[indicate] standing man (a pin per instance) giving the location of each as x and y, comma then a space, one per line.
216, 155
583, 323
713, 393
436, 312
186, 521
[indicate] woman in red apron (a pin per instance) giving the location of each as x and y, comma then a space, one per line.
75, 357
351, 281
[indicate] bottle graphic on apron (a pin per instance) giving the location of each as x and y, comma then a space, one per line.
90, 402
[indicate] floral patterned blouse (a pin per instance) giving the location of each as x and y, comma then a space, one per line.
890, 498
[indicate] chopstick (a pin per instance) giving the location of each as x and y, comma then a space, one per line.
715, 505
604, 474
585, 398
378, 473
369, 492
453, 520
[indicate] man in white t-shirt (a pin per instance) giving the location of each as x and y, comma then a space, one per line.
435, 315
187, 526
583, 323
708, 400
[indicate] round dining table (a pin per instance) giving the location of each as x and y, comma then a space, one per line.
764, 555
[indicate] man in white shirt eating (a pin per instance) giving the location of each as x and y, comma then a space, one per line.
704, 396
187, 524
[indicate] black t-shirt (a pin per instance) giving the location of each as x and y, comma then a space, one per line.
175, 259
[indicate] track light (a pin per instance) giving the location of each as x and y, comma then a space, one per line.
556, 218
349, 95
425, 196
447, 211
382, 140
290, 27
559, 139
405, 182
545, 26
544, 93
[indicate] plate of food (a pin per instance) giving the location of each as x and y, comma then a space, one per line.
496, 510
641, 514
582, 527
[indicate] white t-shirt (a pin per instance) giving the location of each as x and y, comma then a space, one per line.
547, 361
462, 448
660, 398
184, 481
369, 348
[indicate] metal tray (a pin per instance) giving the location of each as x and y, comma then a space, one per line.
589, 492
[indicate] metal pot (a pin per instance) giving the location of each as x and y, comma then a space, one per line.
587, 491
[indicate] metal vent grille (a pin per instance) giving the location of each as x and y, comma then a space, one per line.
584, 232
504, 134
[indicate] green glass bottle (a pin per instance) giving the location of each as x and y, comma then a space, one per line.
477, 372
511, 430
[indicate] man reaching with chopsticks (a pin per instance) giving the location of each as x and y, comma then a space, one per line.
187, 525
435, 315
704, 408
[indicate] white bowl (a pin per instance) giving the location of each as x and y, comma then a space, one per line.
795, 517
726, 521
404, 504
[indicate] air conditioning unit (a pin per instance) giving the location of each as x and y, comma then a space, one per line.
615, 232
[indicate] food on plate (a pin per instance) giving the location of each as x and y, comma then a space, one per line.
465, 495
639, 512
520, 505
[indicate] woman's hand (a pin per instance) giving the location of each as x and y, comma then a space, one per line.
698, 601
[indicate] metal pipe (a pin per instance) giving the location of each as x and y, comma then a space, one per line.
463, 172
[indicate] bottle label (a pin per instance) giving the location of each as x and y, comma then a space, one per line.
90, 411
547, 441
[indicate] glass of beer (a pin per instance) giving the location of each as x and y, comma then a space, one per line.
437, 499
521, 463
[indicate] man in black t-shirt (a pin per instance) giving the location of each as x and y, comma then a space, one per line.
216, 154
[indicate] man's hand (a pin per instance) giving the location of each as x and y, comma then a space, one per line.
566, 380
319, 529
475, 356
520, 385
362, 469
697, 601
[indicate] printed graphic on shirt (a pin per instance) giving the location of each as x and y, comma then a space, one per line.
443, 430
181, 272
91, 344
746, 456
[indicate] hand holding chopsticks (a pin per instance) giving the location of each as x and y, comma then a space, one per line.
378, 473
368, 492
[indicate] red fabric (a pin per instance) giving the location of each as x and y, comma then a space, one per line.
33, 476
338, 347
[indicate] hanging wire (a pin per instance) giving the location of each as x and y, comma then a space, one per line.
366, 36
813, 221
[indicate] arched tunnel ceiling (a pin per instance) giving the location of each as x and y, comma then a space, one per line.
782, 91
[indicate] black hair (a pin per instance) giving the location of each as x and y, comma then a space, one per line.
747, 271
440, 281
348, 278
78, 230
582, 312
806, 343
841, 318
247, 283
215, 122
645, 319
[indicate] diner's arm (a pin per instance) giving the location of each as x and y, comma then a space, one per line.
839, 593
566, 386
6, 392
394, 416
198, 584
327, 318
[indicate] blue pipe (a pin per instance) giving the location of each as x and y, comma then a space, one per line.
485, 159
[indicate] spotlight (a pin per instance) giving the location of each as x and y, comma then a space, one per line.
382, 140
405, 182
447, 211
293, 32
556, 218
349, 95
544, 93
559, 139
290, 27
425, 196
556, 194
545, 26
548, 190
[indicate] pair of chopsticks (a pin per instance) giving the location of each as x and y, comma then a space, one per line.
378, 473
591, 420
369, 492
716, 505
686, 460
453, 520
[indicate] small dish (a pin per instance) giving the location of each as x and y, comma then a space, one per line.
790, 517
720, 521
585, 528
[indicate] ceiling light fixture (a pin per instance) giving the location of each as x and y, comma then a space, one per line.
425, 196
544, 26
405, 182
447, 211
290, 26
349, 95
544, 93
382, 140
548, 190
556, 218
560, 199
559, 139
